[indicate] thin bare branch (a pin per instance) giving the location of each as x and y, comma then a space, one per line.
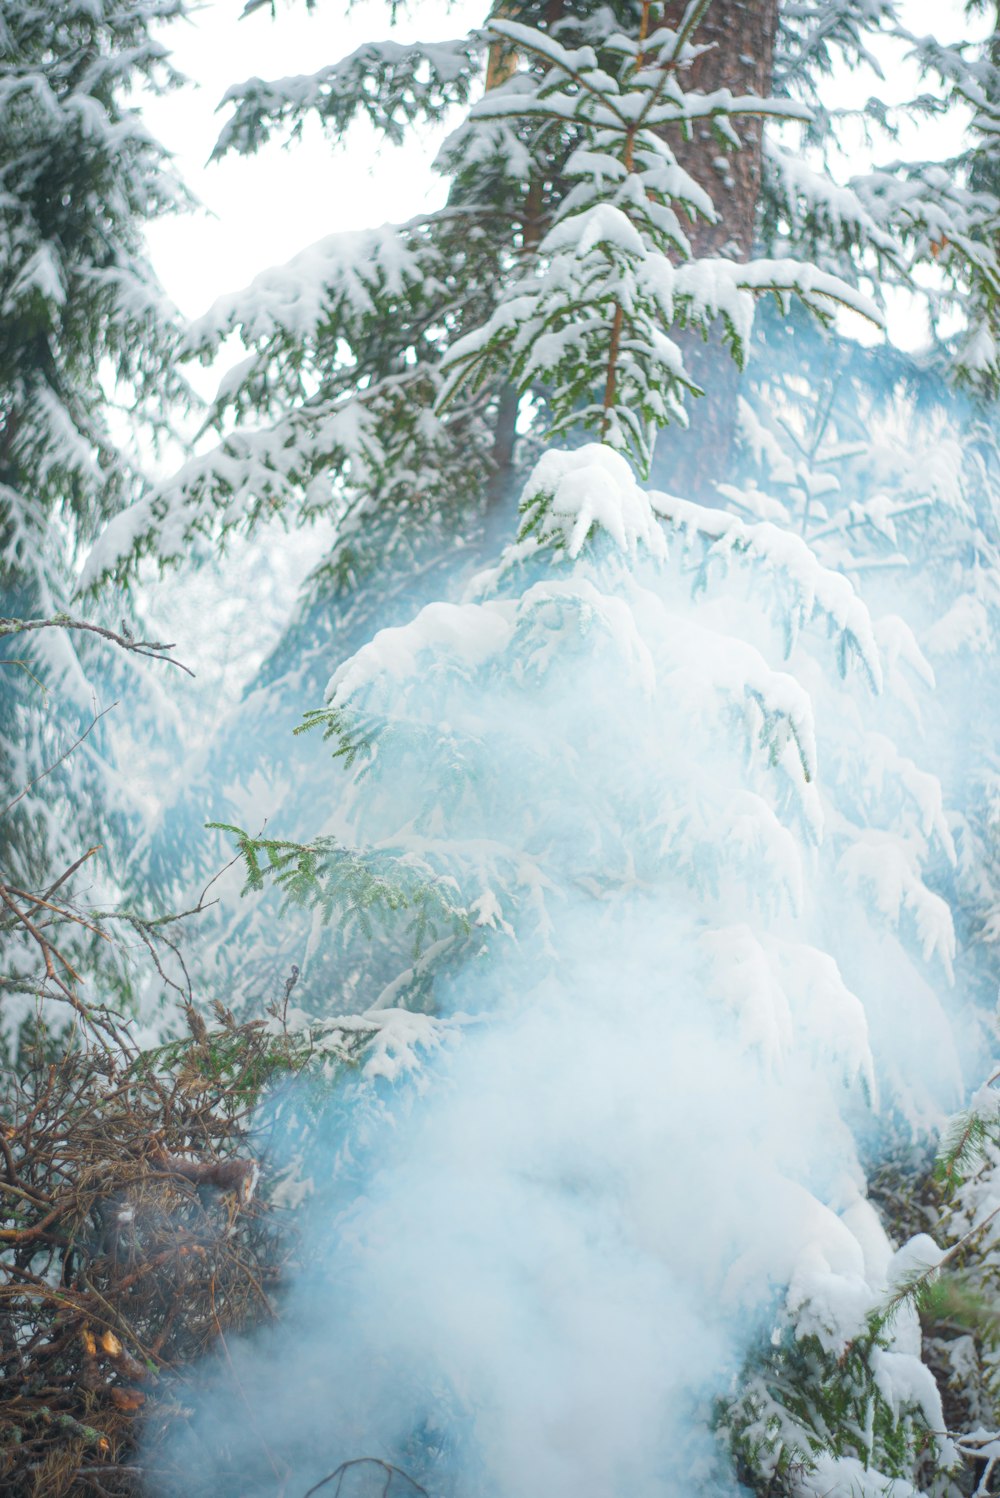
339, 1473
155, 650
56, 762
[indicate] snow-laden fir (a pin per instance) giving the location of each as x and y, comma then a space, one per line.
546, 1234
86, 363
333, 404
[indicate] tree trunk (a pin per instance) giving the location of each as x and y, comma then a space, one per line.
741, 36
500, 65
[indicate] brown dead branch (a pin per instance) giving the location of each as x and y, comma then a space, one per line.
133, 1241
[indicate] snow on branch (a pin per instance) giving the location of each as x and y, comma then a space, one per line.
814, 588
340, 276
571, 495
393, 84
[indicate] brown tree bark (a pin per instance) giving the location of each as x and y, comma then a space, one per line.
741, 36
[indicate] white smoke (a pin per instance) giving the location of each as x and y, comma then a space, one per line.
534, 1260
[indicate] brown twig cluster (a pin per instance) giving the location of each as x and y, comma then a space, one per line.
130, 1244
132, 1241
131, 1238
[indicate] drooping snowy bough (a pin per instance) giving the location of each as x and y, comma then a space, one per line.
610, 1196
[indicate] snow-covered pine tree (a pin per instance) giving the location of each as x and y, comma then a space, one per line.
332, 413
330, 410
894, 479
328, 415
87, 354
684, 956
927, 225
875, 456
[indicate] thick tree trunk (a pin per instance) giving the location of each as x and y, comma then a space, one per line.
741, 36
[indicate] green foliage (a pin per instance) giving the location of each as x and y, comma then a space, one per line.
799, 1402
965, 1141
355, 736
350, 887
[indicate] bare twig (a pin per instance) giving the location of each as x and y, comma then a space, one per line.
180, 915
391, 1472
68, 873
156, 650
56, 762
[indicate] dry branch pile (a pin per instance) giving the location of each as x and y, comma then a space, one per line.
132, 1237
131, 1241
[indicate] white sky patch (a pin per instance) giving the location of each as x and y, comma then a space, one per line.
261, 210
